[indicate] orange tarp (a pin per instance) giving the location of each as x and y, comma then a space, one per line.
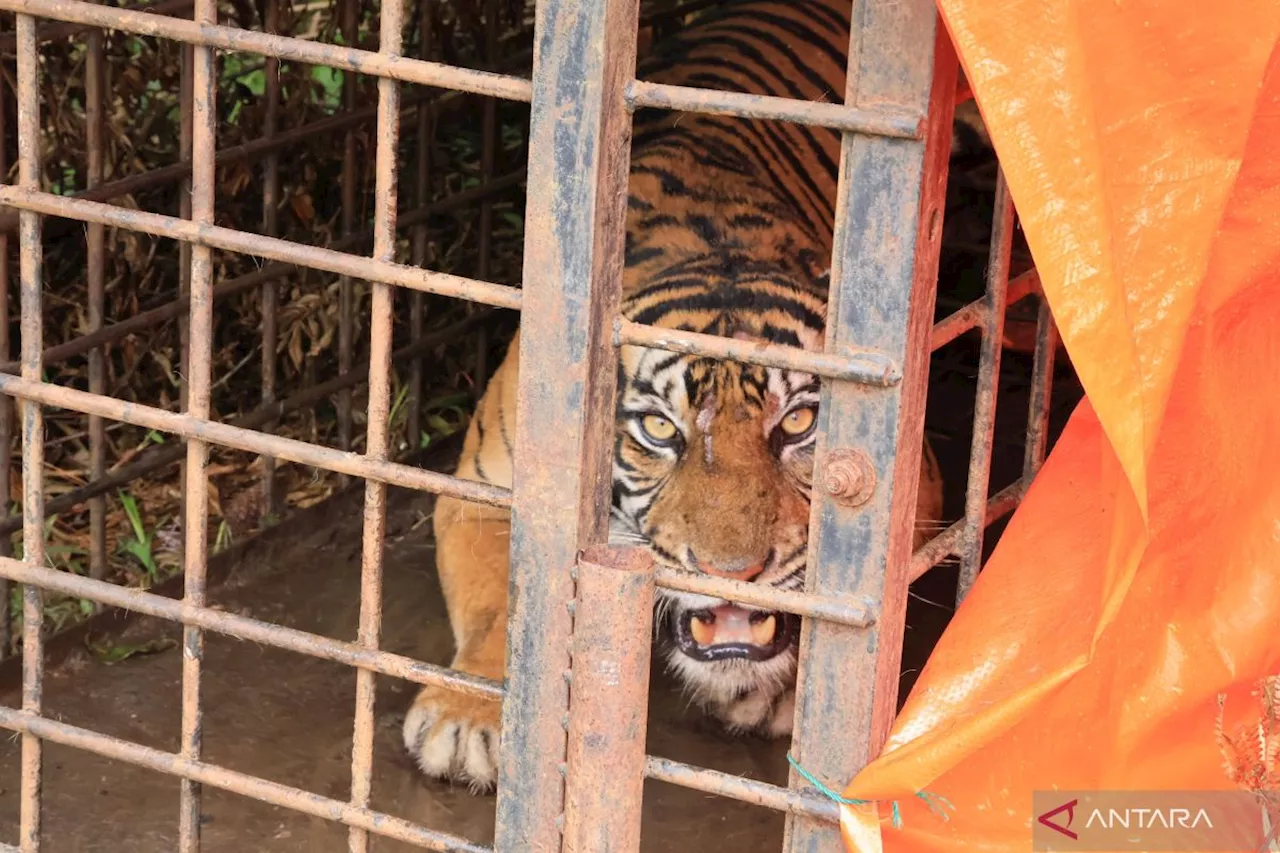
1140, 580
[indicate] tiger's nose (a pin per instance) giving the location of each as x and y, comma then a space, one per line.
739, 570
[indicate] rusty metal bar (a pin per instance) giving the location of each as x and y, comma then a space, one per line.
155, 316
31, 272
31, 725
6, 403
159, 457
881, 121
744, 790
609, 708
186, 98
198, 380
301, 452
899, 55
348, 11
984, 410
489, 132
270, 227
422, 195
1041, 392
844, 363
947, 543
51, 32
250, 630
376, 437
579, 158
217, 237
95, 235
400, 68
957, 323
855, 614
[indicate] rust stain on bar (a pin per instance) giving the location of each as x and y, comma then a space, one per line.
984, 412
738, 788
608, 703
879, 122
6, 403
867, 368
1041, 392
948, 542
275, 249
302, 452
205, 35
31, 258
251, 630
240, 783
853, 614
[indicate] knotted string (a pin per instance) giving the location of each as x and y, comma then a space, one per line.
930, 799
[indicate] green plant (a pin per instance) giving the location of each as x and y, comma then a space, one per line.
138, 545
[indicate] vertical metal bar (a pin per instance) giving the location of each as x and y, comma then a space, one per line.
270, 227
349, 23
380, 330
422, 196
95, 70
487, 153
612, 631
884, 272
984, 408
579, 155
184, 256
198, 382
1041, 392
6, 403
31, 262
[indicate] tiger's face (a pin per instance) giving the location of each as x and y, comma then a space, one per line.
713, 466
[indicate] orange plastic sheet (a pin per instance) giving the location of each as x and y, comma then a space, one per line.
1139, 583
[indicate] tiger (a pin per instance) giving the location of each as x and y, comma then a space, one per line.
728, 232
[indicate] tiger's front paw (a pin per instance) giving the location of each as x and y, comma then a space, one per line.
453, 736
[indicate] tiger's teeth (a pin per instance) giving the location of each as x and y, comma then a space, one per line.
762, 632
704, 633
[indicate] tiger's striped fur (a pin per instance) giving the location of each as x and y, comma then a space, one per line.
729, 232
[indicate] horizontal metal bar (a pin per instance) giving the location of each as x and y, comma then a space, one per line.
159, 457
232, 287
399, 68
237, 783
1024, 285
258, 245
304, 453
9, 848
866, 368
735, 787
53, 32
957, 323
252, 630
853, 614
948, 542
878, 122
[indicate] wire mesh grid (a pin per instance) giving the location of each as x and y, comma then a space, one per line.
906, 70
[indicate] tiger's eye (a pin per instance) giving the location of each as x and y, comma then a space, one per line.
798, 422
658, 428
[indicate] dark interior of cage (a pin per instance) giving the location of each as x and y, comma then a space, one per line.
305, 150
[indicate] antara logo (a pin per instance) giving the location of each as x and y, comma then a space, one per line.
1148, 819
1065, 828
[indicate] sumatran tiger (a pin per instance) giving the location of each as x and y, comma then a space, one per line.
729, 232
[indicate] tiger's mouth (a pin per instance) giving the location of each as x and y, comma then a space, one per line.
729, 632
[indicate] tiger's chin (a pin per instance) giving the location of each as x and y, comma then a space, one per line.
737, 664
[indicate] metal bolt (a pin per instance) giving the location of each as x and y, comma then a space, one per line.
848, 477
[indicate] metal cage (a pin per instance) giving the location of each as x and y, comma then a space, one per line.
578, 653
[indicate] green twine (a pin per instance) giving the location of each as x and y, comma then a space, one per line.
930, 799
